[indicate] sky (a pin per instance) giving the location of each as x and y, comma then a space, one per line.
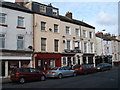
102, 14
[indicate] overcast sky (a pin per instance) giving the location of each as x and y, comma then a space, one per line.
102, 14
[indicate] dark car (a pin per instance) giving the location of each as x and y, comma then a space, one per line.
84, 68
103, 66
22, 75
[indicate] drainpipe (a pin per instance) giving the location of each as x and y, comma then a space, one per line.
33, 59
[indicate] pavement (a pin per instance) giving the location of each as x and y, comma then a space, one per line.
7, 80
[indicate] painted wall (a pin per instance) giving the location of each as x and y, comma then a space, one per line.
11, 31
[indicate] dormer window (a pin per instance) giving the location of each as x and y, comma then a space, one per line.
55, 12
42, 8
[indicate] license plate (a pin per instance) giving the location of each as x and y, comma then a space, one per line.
76, 69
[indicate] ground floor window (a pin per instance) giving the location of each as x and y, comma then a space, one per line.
2, 68
52, 63
74, 60
12, 65
25, 63
90, 60
64, 61
84, 60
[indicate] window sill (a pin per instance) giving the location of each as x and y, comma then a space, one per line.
20, 27
5, 25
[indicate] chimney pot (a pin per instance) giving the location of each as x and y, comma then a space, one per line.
69, 15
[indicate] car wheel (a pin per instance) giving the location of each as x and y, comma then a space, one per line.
74, 74
42, 78
60, 76
22, 80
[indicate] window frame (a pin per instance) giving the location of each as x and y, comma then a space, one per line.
21, 19
67, 30
43, 45
84, 33
3, 15
43, 26
43, 8
21, 48
77, 32
56, 28
56, 45
3, 40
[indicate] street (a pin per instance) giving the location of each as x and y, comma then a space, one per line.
106, 79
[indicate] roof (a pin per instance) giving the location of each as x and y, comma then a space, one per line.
108, 38
63, 18
14, 6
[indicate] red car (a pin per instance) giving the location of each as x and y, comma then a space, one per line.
22, 75
84, 68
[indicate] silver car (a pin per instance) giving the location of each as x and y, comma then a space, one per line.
61, 72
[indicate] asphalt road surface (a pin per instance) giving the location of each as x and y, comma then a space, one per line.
106, 79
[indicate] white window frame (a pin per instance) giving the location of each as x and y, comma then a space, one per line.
21, 20
43, 8
68, 31
55, 12
21, 48
43, 49
85, 49
43, 28
63, 61
84, 33
3, 15
56, 25
3, 46
91, 34
77, 32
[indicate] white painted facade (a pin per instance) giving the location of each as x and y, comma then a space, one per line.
11, 33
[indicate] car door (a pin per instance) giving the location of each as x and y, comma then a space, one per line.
33, 74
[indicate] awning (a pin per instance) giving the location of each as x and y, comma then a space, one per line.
14, 58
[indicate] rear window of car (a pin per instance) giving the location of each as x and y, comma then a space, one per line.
77, 66
55, 68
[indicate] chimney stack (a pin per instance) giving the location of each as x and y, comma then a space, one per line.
69, 15
50, 5
21, 2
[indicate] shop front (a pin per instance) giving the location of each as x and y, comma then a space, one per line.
46, 61
88, 59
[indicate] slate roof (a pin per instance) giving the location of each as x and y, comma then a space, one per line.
14, 6
63, 18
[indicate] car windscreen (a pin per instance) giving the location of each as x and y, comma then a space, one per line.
14, 71
55, 68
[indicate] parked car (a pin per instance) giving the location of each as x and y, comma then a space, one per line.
103, 66
22, 75
84, 68
61, 72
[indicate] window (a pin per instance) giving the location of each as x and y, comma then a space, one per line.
2, 18
84, 34
56, 45
91, 34
91, 47
43, 26
2, 40
68, 44
52, 63
42, 8
64, 60
43, 44
67, 30
74, 60
77, 31
55, 28
55, 12
21, 21
85, 47
20, 42
77, 45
